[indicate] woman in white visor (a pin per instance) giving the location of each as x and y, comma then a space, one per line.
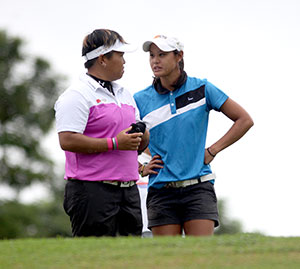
93, 118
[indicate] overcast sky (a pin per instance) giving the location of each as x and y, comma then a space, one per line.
250, 49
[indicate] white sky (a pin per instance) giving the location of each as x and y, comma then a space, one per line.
248, 48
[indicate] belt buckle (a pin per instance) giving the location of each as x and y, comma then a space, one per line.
111, 182
168, 185
173, 184
124, 184
127, 184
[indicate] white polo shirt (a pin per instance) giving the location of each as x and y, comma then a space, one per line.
88, 108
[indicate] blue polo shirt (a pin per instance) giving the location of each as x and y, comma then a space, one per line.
178, 122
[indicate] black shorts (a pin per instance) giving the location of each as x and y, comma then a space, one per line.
177, 205
101, 209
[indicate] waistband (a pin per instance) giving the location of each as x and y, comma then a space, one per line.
189, 182
122, 184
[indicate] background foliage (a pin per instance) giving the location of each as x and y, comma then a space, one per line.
28, 90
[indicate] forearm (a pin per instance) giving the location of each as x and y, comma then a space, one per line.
80, 143
76, 142
242, 123
145, 141
238, 130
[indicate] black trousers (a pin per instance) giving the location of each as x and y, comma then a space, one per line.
101, 209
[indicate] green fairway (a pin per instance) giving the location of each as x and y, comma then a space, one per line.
230, 251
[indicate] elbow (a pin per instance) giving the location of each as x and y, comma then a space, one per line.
245, 123
146, 137
65, 141
249, 122
64, 146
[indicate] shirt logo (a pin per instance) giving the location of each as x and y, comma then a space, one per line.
98, 101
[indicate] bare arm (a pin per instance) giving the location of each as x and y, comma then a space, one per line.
155, 163
242, 123
145, 140
76, 142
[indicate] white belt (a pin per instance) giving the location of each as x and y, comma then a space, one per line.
122, 184
208, 177
189, 182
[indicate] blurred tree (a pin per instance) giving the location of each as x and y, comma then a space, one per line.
28, 90
44, 219
227, 225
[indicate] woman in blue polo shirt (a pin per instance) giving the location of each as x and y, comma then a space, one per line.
175, 108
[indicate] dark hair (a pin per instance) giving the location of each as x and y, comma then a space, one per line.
181, 63
180, 81
99, 37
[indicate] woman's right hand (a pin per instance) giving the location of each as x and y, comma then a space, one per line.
155, 163
129, 141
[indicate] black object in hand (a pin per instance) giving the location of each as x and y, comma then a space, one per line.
138, 127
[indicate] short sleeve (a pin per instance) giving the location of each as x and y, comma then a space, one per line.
71, 112
215, 98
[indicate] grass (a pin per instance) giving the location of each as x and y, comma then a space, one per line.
226, 251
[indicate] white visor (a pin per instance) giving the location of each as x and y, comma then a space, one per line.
118, 46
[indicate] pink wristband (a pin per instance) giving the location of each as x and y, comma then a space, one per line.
109, 143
